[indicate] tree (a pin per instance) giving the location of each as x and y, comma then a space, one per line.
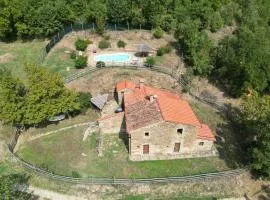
8, 190
195, 45
256, 119
12, 98
46, 96
118, 10
243, 61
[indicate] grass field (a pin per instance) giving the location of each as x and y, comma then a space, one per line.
14, 55
62, 154
58, 61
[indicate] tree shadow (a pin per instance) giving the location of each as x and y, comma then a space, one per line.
15, 186
229, 139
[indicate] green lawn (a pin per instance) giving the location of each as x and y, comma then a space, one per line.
14, 55
62, 154
58, 61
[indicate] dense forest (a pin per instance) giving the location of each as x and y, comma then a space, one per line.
238, 63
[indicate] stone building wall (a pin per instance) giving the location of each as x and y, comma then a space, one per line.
161, 140
112, 124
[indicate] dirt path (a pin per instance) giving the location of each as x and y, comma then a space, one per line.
46, 194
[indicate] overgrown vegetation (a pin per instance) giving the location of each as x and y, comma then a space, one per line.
80, 62
81, 45
150, 61
158, 33
104, 44
121, 44
255, 116
43, 97
163, 50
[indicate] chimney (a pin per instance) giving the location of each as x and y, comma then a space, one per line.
152, 98
141, 84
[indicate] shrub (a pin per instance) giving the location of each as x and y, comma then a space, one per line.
73, 55
84, 100
107, 37
121, 44
150, 61
100, 64
158, 33
163, 50
104, 44
89, 41
75, 174
81, 62
81, 45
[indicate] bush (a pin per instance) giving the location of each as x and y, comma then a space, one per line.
81, 45
81, 62
89, 41
100, 64
84, 100
107, 37
75, 174
121, 44
150, 61
163, 50
104, 44
158, 33
73, 55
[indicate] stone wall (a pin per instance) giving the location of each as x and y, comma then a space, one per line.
112, 124
161, 140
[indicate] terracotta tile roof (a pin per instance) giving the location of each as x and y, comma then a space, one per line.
168, 106
142, 113
125, 85
205, 133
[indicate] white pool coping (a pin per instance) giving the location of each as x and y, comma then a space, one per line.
131, 56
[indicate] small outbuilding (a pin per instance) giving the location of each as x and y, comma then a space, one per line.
100, 100
143, 50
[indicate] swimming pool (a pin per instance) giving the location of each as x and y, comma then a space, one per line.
117, 57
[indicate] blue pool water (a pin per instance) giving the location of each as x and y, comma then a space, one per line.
119, 57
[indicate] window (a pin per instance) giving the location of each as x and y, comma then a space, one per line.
146, 149
201, 143
180, 131
176, 147
146, 134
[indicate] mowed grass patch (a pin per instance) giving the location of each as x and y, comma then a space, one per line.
14, 55
58, 61
62, 154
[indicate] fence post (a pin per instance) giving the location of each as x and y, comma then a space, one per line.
114, 27
58, 36
82, 25
71, 28
93, 26
128, 26
140, 29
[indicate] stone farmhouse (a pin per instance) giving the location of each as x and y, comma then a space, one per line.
158, 124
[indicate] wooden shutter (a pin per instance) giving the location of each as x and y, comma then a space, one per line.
146, 149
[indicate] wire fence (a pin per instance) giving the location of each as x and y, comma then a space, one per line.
118, 181
171, 72
88, 28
